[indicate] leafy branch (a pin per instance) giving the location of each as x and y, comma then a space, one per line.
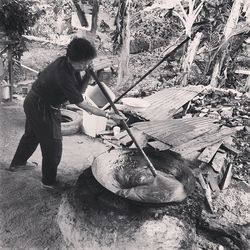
188, 17
16, 16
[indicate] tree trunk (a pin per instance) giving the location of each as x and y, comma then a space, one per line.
94, 7
231, 24
124, 51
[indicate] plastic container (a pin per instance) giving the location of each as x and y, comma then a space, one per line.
92, 125
96, 95
116, 131
5, 92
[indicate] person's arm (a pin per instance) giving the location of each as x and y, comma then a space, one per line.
99, 112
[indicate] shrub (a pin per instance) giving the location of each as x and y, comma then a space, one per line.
16, 16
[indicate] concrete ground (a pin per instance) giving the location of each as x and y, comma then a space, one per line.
27, 212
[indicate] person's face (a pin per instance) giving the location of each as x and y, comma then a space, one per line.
80, 65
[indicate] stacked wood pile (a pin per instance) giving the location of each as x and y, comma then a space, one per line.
206, 133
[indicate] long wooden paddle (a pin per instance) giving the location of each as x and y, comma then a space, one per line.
150, 165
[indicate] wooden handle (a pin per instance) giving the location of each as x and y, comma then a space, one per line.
150, 165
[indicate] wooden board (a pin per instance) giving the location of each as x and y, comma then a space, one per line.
165, 103
231, 149
177, 131
219, 161
177, 139
159, 146
209, 152
212, 181
202, 141
228, 177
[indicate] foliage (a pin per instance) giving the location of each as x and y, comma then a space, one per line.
188, 17
16, 16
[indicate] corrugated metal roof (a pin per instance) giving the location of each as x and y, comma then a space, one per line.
166, 102
177, 131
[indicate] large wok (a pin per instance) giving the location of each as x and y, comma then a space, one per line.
106, 166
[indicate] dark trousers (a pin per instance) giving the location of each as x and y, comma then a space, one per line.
43, 126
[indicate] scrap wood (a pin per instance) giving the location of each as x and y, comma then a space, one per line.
111, 144
207, 190
219, 176
159, 146
167, 102
126, 140
212, 180
219, 161
177, 131
231, 148
227, 178
209, 152
177, 139
122, 134
203, 141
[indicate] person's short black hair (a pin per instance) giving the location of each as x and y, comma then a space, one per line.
80, 49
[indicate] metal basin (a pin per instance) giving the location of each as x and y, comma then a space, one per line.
106, 166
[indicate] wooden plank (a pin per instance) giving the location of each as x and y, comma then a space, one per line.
207, 190
219, 161
203, 141
177, 131
122, 134
159, 146
166, 102
212, 181
227, 178
126, 140
191, 156
178, 139
219, 176
230, 148
209, 152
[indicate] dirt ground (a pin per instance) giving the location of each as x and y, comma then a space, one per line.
32, 218
27, 212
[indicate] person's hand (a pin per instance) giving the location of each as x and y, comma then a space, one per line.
90, 66
117, 117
